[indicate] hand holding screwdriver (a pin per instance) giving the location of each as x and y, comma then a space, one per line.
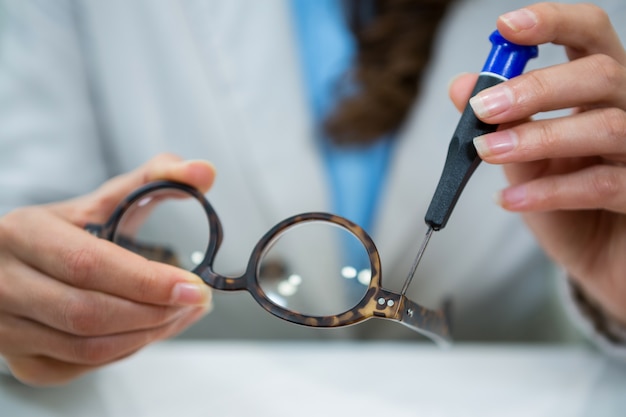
506, 60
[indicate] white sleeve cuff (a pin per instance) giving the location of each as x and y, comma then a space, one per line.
4, 368
603, 331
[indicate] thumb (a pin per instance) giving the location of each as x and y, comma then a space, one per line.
98, 205
460, 88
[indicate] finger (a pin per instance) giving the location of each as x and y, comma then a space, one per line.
97, 206
76, 311
460, 89
41, 371
599, 132
67, 358
598, 80
594, 187
584, 28
73, 256
26, 337
197, 173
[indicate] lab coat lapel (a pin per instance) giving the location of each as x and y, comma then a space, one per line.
278, 153
255, 61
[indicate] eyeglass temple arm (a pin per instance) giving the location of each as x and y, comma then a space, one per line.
431, 323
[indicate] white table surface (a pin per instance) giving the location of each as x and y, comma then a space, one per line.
186, 379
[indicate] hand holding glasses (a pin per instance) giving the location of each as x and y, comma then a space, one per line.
313, 288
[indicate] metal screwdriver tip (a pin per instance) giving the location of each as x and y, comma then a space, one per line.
417, 260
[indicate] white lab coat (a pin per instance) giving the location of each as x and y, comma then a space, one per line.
91, 89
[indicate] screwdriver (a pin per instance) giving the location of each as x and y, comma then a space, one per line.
505, 61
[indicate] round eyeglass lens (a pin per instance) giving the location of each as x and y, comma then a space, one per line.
315, 268
166, 225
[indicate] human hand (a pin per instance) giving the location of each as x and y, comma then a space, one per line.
567, 174
70, 302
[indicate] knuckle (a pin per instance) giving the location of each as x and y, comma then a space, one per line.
80, 265
613, 124
548, 138
149, 283
606, 184
531, 86
144, 281
79, 316
610, 73
596, 15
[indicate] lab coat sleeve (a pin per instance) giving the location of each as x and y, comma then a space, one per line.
603, 331
48, 138
4, 368
49, 147
608, 335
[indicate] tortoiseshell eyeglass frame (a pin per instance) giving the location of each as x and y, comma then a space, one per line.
377, 302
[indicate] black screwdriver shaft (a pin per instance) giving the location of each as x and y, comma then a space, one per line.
461, 161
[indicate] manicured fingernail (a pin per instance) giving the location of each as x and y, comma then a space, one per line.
187, 293
492, 101
512, 197
496, 143
519, 20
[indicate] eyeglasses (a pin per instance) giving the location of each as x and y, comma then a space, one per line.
313, 269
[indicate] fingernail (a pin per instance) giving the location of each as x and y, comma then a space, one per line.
519, 20
496, 143
187, 293
512, 197
492, 101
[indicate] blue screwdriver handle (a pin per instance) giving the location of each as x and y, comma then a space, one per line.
506, 60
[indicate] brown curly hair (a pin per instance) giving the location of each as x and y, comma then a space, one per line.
394, 39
